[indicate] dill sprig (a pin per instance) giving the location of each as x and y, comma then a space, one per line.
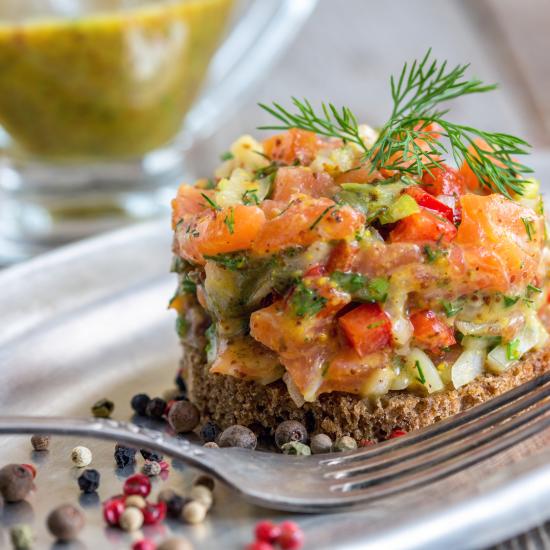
406, 143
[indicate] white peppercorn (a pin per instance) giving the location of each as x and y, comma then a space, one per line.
194, 512
81, 456
131, 519
135, 501
202, 494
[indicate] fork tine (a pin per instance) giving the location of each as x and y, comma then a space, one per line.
475, 450
441, 441
441, 429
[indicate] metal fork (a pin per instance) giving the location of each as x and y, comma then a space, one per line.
337, 481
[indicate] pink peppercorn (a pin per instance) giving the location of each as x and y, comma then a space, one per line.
164, 466
291, 537
138, 484
144, 544
267, 531
113, 509
397, 433
30, 468
259, 545
154, 513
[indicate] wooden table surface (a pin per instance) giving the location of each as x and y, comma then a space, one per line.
348, 49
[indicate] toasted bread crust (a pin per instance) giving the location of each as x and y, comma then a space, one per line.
227, 400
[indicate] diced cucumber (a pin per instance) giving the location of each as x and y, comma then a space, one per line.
404, 206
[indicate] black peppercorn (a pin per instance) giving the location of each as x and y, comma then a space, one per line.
103, 408
153, 456
139, 403
175, 505
289, 431
210, 431
88, 481
155, 408
124, 455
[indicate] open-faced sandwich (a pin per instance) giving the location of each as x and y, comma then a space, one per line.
353, 279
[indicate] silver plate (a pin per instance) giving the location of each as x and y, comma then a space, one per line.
90, 321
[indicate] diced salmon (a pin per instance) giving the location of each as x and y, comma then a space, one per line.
294, 145
425, 226
298, 179
305, 220
218, 232
245, 358
189, 201
431, 332
342, 256
360, 174
501, 241
444, 181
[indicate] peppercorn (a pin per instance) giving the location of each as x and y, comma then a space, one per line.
15, 482
238, 436
365, 443
321, 443
397, 433
139, 403
138, 484
65, 522
194, 512
131, 519
31, 469
155, 408
345, 443
124, 455
103, 408
81, 456
207, 481
259, 545
151, 468
291, 537
183, 416
22, 537
175, 505
210, 431
88, 481
154, 513
267, 531
180, 382
151, 455
144, 544
175, 544
202, 494
137, 501
288, 431
296, 448
40, 442
211, 445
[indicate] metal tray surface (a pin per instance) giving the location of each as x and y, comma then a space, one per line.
90, 321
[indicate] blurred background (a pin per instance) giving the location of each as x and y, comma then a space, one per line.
93, 112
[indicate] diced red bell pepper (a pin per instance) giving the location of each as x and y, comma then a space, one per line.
315, 271
422, 227
367, 328
431, 203
444, 181
430, 332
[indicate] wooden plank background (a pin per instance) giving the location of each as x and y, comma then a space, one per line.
348, 49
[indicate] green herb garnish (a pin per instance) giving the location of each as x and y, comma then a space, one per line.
250, 197
421, 378
321, 216
229, 221
349, 282
182, 326
211, 202
432, 254
418, 94
361, 288
228, 155
532, 288
509, 301
512, 351
234, 261
306, 302
452, 308
529, 227
188, 286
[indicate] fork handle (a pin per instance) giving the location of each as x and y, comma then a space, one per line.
121, 432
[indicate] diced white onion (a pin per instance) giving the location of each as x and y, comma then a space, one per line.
432, 380
468, 366
293, 390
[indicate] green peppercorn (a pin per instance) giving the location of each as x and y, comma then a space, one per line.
296, 448
345, 443
22, 537
103, 408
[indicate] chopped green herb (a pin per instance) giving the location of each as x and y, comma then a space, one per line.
230, 221
529, 227
512, 351
532, 288
361, 288
182, 326
509, 301
228, 155
452, 308
321, 216
210, 184
349, 282
306, 302
234, 261
378, 288
179, 265
432, 254
188, 286
421, 378
211, 202
250, 197
269, 170
324, 369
